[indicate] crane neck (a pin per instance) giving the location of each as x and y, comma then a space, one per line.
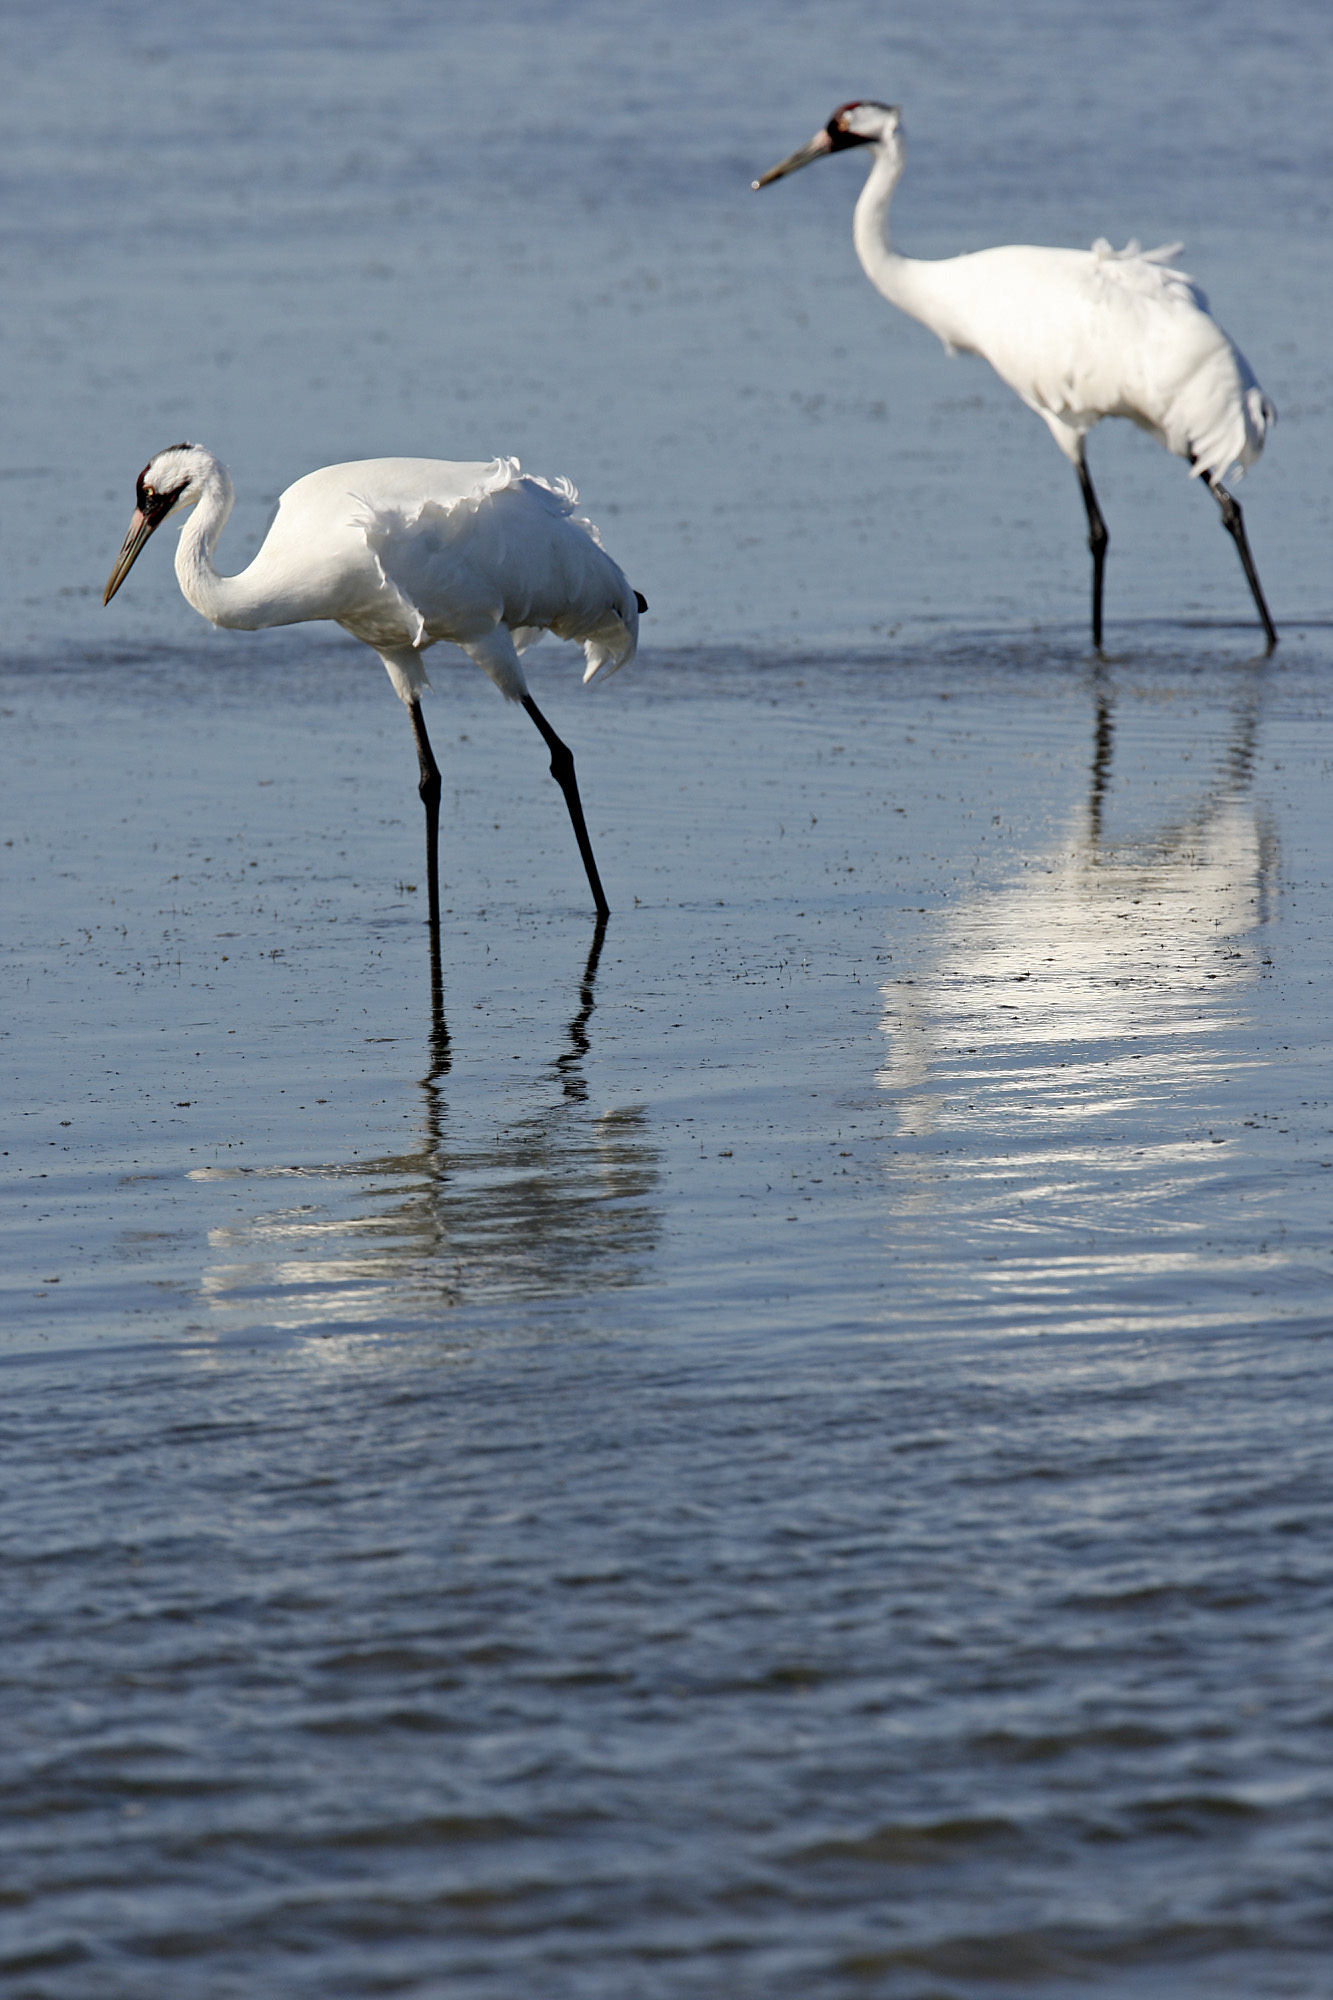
906, 282
215, 597
870, 222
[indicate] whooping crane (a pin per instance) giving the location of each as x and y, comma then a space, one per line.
1078, 334
403, 552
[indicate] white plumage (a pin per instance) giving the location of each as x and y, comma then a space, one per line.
403, 553
1078, 334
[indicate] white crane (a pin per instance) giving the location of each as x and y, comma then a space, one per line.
403, 552
1078, 334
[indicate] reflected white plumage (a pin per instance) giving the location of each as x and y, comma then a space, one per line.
405, 552
1078, 334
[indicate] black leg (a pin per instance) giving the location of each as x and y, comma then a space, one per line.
1097, 541
562, 770
1234, 523
429, 789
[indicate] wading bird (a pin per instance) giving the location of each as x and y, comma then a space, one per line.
403, 552
1078, 334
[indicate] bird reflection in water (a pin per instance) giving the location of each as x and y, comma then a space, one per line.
441, 1054
1107, 973
555, 1202
569, 1066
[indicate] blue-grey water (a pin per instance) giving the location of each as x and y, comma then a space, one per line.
783, 1451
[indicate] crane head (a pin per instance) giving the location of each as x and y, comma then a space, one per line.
860, 123
169, 480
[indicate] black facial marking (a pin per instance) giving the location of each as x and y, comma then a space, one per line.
148, 496
153, 503
839, 137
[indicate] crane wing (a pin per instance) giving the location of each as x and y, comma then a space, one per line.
508, 551
1149, 274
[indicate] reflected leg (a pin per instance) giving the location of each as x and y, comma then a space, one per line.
1103, 738
440, 1056
1234, 523
562, 770
567, 1064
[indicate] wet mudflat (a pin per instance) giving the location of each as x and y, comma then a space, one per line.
983, 970
792, 1461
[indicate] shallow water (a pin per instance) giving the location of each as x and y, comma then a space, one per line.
779, 1450
796, 1462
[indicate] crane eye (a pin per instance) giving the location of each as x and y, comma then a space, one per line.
155, 503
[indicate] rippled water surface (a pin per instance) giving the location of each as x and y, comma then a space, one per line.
781, 1448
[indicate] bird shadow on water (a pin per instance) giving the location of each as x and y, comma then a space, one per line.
556, 1200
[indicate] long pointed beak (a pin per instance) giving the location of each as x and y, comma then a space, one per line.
141, 527
818, 146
